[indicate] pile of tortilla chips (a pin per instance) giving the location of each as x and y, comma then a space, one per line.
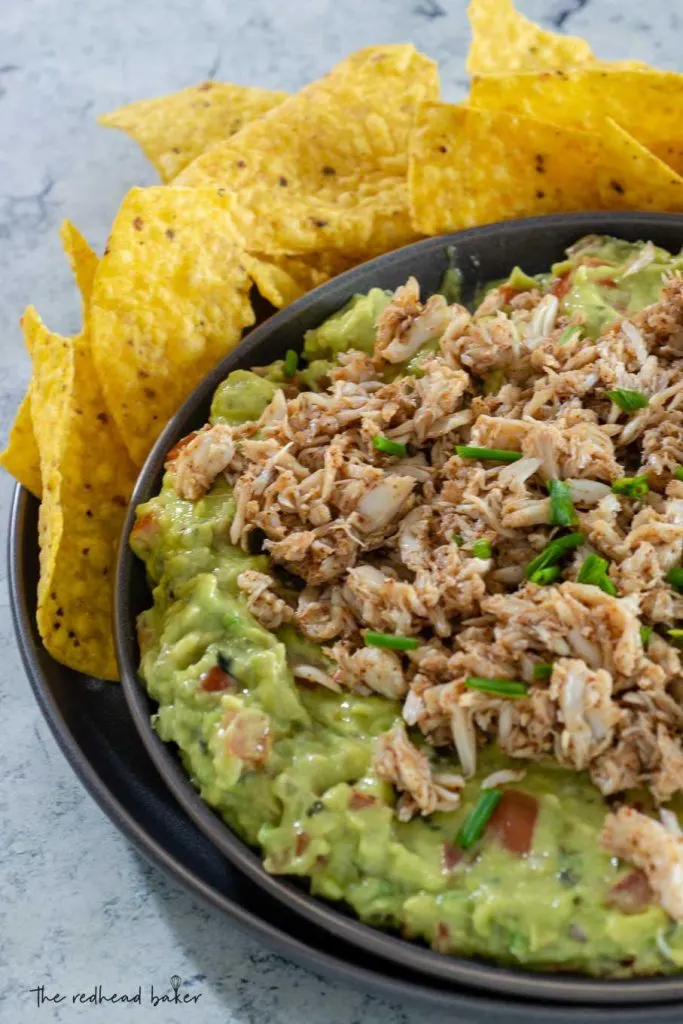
282, 192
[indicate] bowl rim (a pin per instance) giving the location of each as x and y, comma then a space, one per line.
475, 974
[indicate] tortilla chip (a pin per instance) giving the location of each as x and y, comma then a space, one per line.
82, 259
173, 130
638, 180
88, 481
646, 103
504, 40
340, 142
20, 457
283, 279
471, 166
170, 299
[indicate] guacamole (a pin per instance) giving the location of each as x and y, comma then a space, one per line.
289, 764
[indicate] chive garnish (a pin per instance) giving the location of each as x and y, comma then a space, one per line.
593, 571
562, 511
498, 687
389, 447
645, 635
482, 549
542, 671
291, 362
458, 539
568, 333
553, 552
628, 401
675, 578
631, 486
390, 640
678, 472
478, 818
466, 451
676, 635
545, 576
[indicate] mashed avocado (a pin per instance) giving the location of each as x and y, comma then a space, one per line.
310, 798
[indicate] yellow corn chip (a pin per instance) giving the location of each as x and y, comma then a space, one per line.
170, 298
82, 260
504, 40
340, 142
635, 179
173, 130
646, 103
346, 131
283, 279
88, 478
470, 166
20, 457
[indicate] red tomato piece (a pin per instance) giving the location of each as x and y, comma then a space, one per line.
514, 821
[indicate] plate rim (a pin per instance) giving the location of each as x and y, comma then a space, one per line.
570, 989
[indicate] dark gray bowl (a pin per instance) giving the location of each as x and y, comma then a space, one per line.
482, 254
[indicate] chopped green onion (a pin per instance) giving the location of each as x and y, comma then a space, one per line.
545, 576
568, 333
543, 670
628, 401
645, 635
631, 486
676, 635
594, 572
465, 451
458, 539
482, 549
390, 640
553, 552
678, 473
478, 818
498, 687
493, 382
562, 511
675, 578
291, 362
389, 447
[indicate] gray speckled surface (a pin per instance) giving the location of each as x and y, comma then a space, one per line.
77, 905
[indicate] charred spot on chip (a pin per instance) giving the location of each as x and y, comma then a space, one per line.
149, 393
170, 233
175, 149
442, 148
318, 222
617, 186
119, 500
89, 513
282, 181
142, 374
102, 417
540, 194
241, 163
205, 86
107, 250
540, 163
328, 171
138, 223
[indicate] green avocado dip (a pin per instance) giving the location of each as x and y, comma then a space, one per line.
289, 764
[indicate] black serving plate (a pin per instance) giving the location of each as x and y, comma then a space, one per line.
93, 726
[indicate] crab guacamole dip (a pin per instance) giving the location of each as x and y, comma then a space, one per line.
416, 607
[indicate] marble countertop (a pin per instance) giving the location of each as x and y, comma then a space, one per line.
78, 906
